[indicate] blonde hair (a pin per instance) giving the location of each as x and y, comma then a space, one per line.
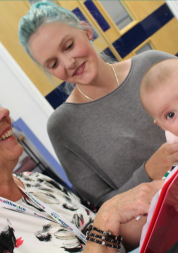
155, 77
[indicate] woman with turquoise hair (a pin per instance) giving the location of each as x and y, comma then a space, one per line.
100, 134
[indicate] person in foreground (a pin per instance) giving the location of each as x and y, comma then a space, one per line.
26, 227
100, 134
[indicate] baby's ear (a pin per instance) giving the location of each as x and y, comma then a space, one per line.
156, 122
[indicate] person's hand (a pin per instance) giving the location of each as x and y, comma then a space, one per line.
162, 161
126, 206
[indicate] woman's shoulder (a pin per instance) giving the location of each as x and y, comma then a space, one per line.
140, 63
40, 181
32, 178
153, 55
58, 112
58, 118
143, 61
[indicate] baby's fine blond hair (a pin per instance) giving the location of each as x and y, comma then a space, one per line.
156, 76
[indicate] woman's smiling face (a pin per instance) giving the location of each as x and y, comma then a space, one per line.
10, 149
66, 52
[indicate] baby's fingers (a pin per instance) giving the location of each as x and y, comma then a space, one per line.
172, 148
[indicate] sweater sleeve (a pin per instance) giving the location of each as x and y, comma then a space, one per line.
139, 176
87, 183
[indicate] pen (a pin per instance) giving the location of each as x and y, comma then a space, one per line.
166, 174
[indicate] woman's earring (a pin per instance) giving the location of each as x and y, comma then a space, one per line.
90, 37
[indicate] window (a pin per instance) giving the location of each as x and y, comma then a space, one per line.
117, 12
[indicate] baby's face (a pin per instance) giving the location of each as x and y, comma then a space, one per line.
162, 105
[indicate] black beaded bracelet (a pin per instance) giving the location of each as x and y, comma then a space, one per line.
104, 237
106, 233
103, 243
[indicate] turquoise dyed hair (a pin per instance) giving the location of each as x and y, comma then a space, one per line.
44, 13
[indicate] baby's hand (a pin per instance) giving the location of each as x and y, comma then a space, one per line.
162, 160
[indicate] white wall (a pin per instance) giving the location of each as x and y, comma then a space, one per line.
21, 97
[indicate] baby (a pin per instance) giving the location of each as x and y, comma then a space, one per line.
159, 96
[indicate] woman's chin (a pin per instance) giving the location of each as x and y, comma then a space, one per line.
15, 153
19, 150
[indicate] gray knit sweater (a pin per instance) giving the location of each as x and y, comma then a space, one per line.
102, 145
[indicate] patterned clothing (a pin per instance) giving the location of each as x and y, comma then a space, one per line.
25, 233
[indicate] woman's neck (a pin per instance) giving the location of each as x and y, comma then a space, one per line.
9, 184
104, 83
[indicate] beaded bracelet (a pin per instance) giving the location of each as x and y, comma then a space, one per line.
106, 233
103, 243
103, 237
106, 236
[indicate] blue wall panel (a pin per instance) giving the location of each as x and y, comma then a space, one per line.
21, 126
97, 15
57, 96
142, 31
